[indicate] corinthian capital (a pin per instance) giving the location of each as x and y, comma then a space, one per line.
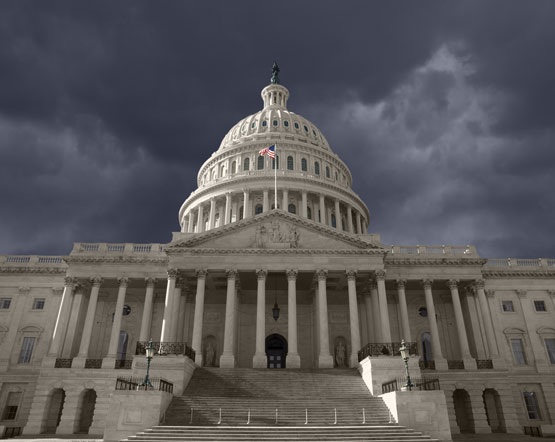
427, 283
480, 283
69, 280
453, 283
291, 274
232, 273
380, 275
172, 273
521, 293
123, 281
261, 274
201, 273
401, 283
150, 282
491, 293
321, 274
96, 281
351, 275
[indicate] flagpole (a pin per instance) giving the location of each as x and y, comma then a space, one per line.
275, 178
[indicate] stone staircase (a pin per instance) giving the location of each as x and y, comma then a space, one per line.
277, 405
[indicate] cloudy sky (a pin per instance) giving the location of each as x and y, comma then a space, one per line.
444, 112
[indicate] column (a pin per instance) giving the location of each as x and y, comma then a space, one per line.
403, 309
221, 215
330, 223
265, 205
191, 222
376, 312
199, 316
175, 310
468, 361
234, 211
109, 360
79, 361
285, 201
165, 335
322, 209
304, 204
227, 359
62, 319
338, 225
200, 219
259, 359
439, 360
293, 358
246, 205
212, 215
325, 359
146, 321
350, 219
353, 317
227, 214
384, 311
71, 333
490, 336
369, 321
358, 224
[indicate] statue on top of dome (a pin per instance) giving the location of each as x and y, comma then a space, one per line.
275, 72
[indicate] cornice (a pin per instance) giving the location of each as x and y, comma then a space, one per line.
116, 259
40, 270
434, 261
213, 251
518, 273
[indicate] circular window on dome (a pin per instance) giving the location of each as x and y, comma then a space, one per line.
423, 311
275, 122
264, 123
286, 123
126, 310
296, 125
306, 129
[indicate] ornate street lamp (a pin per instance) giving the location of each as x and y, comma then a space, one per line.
149, 351
405, 356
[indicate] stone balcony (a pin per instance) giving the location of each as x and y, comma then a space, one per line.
433, 251
32, 263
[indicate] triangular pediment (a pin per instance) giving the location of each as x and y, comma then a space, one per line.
275, 230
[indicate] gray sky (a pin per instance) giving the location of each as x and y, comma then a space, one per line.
444, 112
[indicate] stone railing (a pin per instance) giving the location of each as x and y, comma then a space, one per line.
166, 348
417, 384
434, 251
520, 263
134, 383
32, 260
117, 248
385, 349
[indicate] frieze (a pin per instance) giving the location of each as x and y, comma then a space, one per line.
435, 261
518, 273
186, 251
117, 259
44, 270
276, 235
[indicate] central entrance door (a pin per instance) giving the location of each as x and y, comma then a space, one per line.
276, 351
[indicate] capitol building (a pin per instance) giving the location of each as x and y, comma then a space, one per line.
285, 281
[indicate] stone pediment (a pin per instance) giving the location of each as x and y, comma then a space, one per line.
275, 230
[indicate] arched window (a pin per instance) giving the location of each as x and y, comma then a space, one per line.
327, 172
233, 166
333, 221
292, 208
274, 162
222, 170
309, 212
290, 164
316, 168
258, 209
246, 164
303, 165
427, 347
260, 163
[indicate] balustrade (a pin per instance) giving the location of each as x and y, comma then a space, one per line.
423, 384
166, 348
386, 349
134, 383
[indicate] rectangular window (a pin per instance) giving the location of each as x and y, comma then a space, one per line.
12, 404
26, 350
5, 303
508, 306
518, 351
540, 306
531, 405
38, 304
550, 345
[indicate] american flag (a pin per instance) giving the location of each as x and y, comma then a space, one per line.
270, 151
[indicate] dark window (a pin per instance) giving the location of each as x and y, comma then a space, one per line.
540, 306
26, 350
260, 163
286, 123
327, 172
258, 209
274, 162
317, 168
296, 125
305, 129
508, 306
233, 166
38, 304
531, 405
126, 310
309, 213
423, 311
253, 125
241, 212
304, 166
292, 208
275, 122
290, 164
333, 220
518, 351
550, 346
12, 404
314, 132
5, 303
264, 123
246, 164
427, 347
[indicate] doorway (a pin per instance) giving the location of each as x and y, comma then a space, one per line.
276, 351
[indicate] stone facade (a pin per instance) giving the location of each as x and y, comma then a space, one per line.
255, 279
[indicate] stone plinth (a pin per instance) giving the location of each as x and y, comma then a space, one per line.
376, 371
424, 411
133, 411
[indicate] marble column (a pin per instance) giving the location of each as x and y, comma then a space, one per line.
74, 318
165, 335
221, 215
175, 310
146, 321
293, 358
468, 361
384, 310
191, 222
376, 312
200, 218
350, 219
325, 359
337, 215
285, 200
304, 204
358, 223
490, 335
79, 361
246, 205
439, 360
109, 360
403, 310
259, 359
199, 316
323, 213
369, 320
353, 318
62, 319
227, 213
212, 215
227, 359
265, 201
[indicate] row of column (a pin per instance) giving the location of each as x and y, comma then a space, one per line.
353, 224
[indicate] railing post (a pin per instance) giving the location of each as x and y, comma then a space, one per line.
335, 413
249, 417
306, 416
220, 421
363, 416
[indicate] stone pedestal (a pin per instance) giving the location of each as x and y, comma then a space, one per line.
293, 361
325, 361
109, 363
260, 361
470, 364
227, 361
78, 362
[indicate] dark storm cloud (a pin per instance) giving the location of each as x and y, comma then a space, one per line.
444, 112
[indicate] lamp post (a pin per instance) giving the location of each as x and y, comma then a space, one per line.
405, 356
149, 351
